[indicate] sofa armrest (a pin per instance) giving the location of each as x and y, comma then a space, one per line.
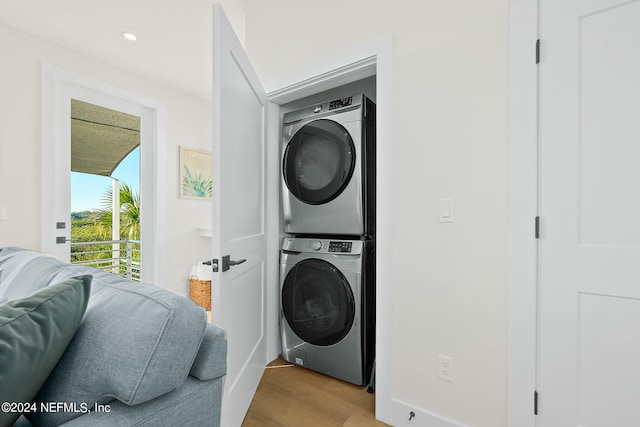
211, 360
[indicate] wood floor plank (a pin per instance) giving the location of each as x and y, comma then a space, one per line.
291, 396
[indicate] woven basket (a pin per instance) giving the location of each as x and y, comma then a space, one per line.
200, 292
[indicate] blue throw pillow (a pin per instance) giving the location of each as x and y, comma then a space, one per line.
34, 333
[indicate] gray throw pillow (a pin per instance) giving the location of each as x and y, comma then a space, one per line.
34, 333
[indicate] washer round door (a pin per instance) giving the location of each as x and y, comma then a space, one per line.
319, 162
317, 302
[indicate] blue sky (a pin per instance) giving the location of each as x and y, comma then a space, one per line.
87, 190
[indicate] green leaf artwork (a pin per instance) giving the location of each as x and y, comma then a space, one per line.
195, 174
196, 186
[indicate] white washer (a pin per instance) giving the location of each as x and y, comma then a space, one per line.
328, 168
328, 306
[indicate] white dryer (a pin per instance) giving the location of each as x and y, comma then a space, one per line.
328, 306
328, 168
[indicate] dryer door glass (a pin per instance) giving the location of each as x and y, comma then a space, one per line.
319, 161
318, 303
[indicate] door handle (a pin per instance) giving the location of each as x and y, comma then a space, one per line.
227, 263
232, 263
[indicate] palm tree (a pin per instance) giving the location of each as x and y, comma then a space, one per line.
129, 227
129, 213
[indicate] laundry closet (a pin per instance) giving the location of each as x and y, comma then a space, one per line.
254, 250
328, 224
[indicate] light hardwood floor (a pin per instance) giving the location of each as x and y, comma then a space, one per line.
291, 396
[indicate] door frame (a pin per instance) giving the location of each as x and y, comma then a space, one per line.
523, 209
58, 87
372, 58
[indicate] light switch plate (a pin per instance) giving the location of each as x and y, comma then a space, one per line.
1, 150
445, 210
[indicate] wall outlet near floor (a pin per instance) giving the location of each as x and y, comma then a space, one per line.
445, 367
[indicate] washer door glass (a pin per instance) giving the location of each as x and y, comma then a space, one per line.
318, 303
318, 162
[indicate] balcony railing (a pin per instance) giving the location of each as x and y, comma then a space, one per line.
117, 256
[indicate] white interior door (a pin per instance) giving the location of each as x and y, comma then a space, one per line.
239, 149
589, 264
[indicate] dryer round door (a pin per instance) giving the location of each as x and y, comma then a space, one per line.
319, 162
317, 302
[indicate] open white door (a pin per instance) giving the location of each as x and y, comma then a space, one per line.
239, 147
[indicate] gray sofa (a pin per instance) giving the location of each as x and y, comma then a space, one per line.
140, 356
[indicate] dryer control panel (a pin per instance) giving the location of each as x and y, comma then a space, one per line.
340, 103
334, 106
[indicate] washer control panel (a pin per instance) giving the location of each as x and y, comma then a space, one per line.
340, 246
321, 246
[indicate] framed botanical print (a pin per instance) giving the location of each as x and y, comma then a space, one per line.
196, 175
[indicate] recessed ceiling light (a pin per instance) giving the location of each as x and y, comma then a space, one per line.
129, 36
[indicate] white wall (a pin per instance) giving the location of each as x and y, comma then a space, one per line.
188, 123
450, 141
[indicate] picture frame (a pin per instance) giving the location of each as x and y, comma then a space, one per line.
196, 174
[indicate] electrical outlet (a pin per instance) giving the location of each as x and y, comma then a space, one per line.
445, 367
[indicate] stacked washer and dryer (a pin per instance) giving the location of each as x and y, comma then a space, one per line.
327, 264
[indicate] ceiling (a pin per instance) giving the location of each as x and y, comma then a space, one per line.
174, 37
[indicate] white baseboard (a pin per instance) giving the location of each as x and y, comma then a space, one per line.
401, 412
